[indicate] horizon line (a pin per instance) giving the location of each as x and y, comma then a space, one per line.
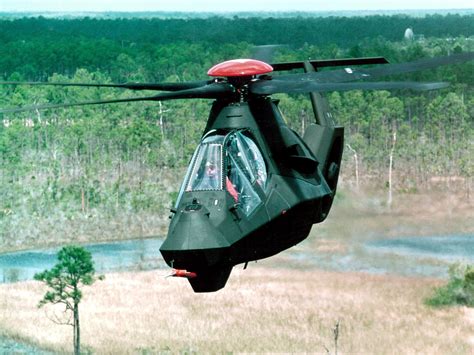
242, 11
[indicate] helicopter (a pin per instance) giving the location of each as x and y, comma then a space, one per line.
254, 187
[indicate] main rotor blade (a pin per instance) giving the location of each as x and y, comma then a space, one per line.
268, 87
323, 63
418, 65
352, 74
211, 91
132, 86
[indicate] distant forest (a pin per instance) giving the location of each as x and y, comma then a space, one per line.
42, 47
114, 170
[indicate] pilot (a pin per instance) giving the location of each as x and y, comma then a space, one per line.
211, 177
211, 181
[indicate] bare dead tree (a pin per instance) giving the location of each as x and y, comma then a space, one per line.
161, 123
356, 162
390, 169
335, 331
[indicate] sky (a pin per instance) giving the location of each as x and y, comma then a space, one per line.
228, 5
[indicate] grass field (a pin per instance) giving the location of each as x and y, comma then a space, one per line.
262, 309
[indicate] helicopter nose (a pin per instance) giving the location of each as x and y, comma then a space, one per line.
193, 242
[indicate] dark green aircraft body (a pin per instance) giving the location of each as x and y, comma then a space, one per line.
211, 230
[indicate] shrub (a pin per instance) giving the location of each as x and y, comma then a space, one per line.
458, 291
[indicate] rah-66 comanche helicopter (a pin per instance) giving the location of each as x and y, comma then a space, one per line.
254, 187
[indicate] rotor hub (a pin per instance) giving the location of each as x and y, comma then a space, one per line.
240, 68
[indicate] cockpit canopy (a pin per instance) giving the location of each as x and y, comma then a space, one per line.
229, 161
207, 165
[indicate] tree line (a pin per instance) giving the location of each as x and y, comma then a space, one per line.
40, 47
114, 170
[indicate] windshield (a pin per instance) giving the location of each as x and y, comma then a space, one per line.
247, 155
206, 173
232, 162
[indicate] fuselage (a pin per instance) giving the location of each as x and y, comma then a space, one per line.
270, 192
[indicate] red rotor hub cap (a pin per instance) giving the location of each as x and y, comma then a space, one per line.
240, 67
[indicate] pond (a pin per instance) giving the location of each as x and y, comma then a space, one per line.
427, 256
409, 256
139, 254
448, 248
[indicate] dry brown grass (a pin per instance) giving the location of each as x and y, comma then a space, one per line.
261, 309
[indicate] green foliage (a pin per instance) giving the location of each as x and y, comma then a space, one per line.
77, 167
458, 291
73, 270
157, 49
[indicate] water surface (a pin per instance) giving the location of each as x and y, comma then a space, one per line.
409, 256
428, 256
448, 248
139, 254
